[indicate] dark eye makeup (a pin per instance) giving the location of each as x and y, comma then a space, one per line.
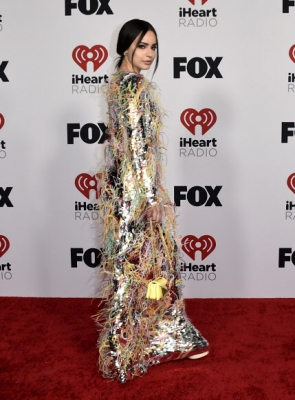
143, 46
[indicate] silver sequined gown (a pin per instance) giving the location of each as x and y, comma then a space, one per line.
138, 332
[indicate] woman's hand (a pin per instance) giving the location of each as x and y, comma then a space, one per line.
154, 213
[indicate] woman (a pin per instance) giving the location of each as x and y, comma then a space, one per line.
144, 321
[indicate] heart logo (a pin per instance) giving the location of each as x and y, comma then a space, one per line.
97, 55
205, 244
2, 121
4, 245
190, 118
193, 2
292, 53
291, 182
85, 183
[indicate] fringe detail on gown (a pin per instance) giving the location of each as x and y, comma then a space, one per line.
136, 332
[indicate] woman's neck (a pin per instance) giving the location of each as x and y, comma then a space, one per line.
127, 67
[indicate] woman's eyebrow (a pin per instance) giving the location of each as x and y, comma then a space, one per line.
154, 44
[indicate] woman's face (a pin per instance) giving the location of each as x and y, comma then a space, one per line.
144, 54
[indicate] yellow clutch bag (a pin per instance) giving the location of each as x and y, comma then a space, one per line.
156, 289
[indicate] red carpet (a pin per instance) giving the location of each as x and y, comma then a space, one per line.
47, 351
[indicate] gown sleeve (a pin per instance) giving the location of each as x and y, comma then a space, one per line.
137, 115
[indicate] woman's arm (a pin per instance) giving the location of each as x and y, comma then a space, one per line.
140, 171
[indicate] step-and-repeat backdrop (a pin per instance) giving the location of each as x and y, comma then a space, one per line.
227, 83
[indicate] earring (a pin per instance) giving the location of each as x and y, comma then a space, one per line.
125, 53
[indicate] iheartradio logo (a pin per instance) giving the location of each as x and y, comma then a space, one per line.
4, 245
291, 182
205, 244
292, 53
2, 121
85, 183
190, 118
97, 55
193, 2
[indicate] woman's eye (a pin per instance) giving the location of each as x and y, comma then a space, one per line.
141, 46
154, 48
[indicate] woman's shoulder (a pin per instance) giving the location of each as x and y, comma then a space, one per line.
125, 84
131, 79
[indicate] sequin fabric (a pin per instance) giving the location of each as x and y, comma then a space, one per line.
136, 332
